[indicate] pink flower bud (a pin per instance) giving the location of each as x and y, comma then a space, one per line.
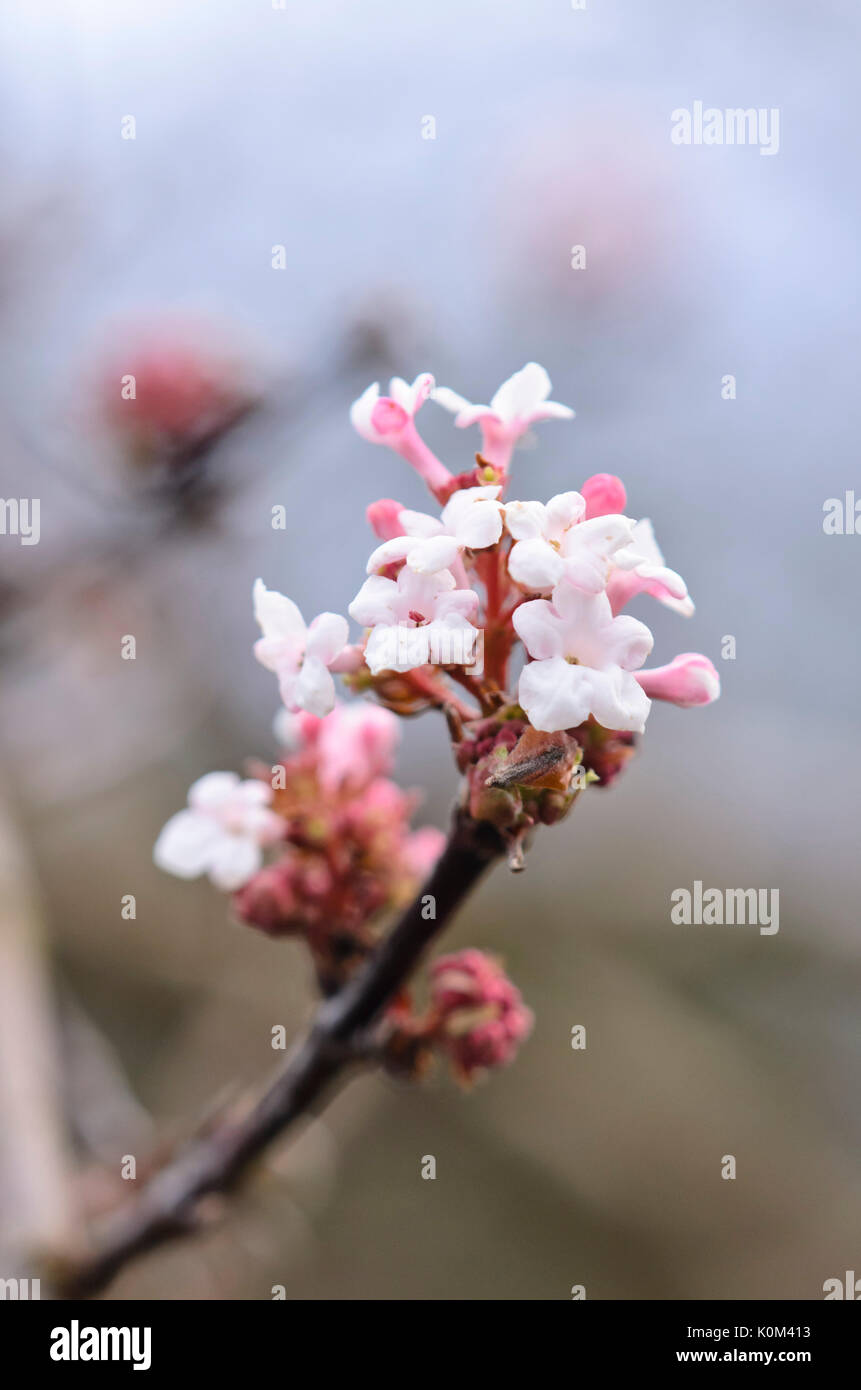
383, 518
689, 679
605, 495
268, 901
481, 1016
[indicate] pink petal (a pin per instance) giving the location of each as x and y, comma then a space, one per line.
604, 493
690, 679
383, 517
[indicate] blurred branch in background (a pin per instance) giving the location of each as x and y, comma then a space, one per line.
35, 1189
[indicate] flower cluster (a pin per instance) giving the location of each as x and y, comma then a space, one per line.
450, 598
343, 855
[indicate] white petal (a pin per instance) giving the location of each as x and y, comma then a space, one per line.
522, 393
277, 615
374, 603
435, 554
586, 571
327, 636
361, 412
400, 391
449, 400
450, 641
421, 388
552, 410
396, 647
592, 635
471, 414
477, 523
287, 729
535, 564
236, 859
539, 629
643, 540
461, 503
418, 593
314, 689
527, 520
390, 552
554, 694
629, 641
617, 700
463, 602
420, 524
212, 790
564, 510
185, 844
253, 792
277, 655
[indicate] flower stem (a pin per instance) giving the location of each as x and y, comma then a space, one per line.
213, 1163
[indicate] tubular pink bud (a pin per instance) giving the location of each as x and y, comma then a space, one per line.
689, 679
605, 494
383, 518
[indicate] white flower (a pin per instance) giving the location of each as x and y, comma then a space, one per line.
583, 662
554, 543
222, 831
471, 520
391, 420
519, 402
300, 656
647, 574
381, 419
415, 620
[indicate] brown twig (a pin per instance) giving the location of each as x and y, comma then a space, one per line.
214, 1163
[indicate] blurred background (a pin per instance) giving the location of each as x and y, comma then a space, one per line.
302, 128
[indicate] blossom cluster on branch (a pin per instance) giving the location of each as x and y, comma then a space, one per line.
505, 615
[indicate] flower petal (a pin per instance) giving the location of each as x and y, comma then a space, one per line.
185, 845
277, 615
522, 393
361, 412
449, 400
236, 859
212, 790
564, 510
554, 694
434, 554
314, 688
536, 565
689, 679
617, 700
527, 520
374, 603
420, 524
539, 629
327, 636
